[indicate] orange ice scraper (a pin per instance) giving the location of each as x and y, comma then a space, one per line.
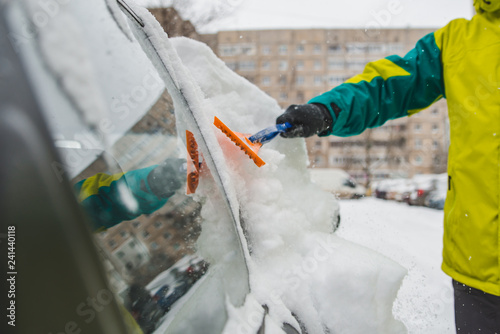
193, 163
251, 145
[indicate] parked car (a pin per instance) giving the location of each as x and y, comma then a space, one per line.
424, 186
379, 190
435, 200
166, 296
388, 189
404, 190
338, 182
177, 280
421, 190
144, 308
437, 197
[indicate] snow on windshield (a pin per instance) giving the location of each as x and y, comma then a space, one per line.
297, 265
297, 261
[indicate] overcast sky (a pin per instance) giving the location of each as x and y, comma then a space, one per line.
279, 14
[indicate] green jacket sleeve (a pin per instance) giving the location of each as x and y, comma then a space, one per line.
111, 199
389, 88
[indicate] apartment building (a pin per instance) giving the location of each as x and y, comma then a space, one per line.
293, 66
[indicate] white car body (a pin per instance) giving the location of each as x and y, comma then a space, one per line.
338, 182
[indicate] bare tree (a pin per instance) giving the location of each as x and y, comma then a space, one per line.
368, 160
199, 13
348, 161
395, 148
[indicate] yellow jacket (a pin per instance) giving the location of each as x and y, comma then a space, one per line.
460, 62
471, 67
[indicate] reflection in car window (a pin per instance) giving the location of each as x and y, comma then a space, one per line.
125, 162
157, 231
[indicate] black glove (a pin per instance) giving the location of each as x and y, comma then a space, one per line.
169, 176
306, 120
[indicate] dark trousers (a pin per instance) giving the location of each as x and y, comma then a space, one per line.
475, 311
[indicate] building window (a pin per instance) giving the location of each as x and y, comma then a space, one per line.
145, 234
283, 96
158, 224
335, 80
136, 224
124, 234
266, 50
247, 65
120, 254
337, 160
234, 50
300, 49
300, 65
283, 49
435, 144
131, 244
435, 112
356, 48
249, 78
282, 80
375, 48
248, 50
283, 65
418, 160
418, 144
356, 64
318, 160
300, 80
266, 81
232, 66
154, 245
318, 65
177, 246
417, 128
318, 80
228, 50
266, 66
334, 49
317, 49
335, 64
166, 235
111, 243
300, 96
394, 48
435, 128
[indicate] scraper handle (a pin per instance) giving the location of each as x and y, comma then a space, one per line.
269, 133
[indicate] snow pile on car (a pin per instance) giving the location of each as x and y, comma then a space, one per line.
299, 264
298, 271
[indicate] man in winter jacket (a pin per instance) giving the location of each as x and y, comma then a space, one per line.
111, 199
459, 62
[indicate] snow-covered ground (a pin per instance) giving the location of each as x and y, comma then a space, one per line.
411, 236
